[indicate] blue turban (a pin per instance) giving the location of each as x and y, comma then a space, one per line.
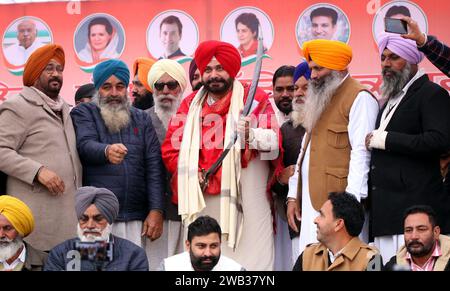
302, 70
106, 69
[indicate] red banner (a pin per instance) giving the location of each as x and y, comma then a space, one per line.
138, 28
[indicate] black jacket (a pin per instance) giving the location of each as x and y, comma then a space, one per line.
408, 172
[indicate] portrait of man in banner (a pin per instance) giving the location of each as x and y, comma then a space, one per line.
99, 37
397, 9
172, 34
241, 28
22, 37
323, 21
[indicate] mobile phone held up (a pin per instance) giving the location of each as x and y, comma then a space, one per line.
394, 25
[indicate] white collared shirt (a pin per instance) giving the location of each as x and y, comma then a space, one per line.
333, 257
20, 259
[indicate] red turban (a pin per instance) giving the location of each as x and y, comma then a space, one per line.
39, 59
226, 54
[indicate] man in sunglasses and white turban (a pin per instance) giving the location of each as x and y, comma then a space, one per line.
167, 79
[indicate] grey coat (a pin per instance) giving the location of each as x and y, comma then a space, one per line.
31, 136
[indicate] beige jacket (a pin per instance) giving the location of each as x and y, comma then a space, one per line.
31, 136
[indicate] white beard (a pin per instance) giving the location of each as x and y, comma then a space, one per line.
298, 113
318, 97
116, 117
166, 112
104, 234
10, 249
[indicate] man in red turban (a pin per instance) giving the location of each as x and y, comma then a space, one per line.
38, 148
236, 194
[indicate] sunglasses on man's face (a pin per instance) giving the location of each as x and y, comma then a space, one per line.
172, 85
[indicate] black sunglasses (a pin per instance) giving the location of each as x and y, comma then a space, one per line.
172, 85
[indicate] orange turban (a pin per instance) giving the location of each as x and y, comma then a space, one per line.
38, 61
226, 54
141, 67
331, 54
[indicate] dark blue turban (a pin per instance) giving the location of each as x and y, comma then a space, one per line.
106, 69
302, 70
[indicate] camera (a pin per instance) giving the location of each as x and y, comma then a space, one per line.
98, 251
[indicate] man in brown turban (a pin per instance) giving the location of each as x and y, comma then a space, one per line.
38, 149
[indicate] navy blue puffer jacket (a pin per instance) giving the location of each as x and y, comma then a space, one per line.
137, 181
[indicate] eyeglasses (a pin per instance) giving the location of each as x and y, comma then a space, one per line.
287, 88
50, 69
172, 85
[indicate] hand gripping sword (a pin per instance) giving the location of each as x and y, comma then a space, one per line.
248, 105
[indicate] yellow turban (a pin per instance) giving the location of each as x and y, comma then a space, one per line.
141, 67
18, 214
39, 59
172, 68
331, 54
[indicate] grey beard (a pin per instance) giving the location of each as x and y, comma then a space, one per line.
10, 249
318, 96
394, 84
298, 113
116, 117
165, 112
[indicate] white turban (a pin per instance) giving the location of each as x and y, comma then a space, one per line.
172, 68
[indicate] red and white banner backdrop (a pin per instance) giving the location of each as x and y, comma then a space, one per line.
136, 24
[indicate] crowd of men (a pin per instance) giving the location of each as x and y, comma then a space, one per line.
321, 177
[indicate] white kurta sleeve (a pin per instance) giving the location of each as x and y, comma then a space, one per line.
363, 115
293, 180
263, 139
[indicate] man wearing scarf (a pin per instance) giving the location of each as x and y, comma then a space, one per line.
172, 77
119, 150
338, 114
142, 92
38, 148
236, 195
96, 210
412, 131
16, 223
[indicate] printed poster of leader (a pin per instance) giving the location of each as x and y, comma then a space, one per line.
284, 25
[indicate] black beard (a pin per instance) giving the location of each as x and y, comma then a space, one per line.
198, 265
285, 110
224, 89
197, 87
143, 102
423, 251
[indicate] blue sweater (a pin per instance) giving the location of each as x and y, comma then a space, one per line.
139, 180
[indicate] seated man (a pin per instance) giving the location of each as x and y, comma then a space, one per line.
339, 223
203, 250
96, 209
16, 222
425, 248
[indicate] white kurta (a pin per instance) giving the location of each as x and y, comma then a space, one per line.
363, 114
283, 243
18, 55
255, 251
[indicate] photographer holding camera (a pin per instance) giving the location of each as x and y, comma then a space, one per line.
96, 248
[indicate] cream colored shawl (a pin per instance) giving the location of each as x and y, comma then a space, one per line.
190, 196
